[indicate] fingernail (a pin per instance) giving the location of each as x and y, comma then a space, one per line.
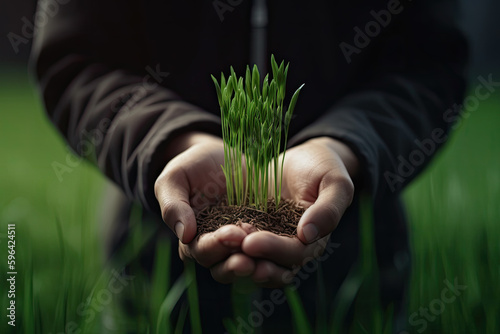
179, 230
310, 232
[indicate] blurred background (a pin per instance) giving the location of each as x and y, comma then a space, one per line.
453, 207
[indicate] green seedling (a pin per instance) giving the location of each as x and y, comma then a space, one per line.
253, 121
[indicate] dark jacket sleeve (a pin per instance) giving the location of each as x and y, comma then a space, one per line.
91, 62
397, 119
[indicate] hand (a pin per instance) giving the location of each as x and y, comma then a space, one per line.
318, 175
191, 180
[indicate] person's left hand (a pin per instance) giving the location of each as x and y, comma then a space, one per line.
317, 175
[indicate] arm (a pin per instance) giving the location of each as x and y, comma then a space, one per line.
91, 63
415, 76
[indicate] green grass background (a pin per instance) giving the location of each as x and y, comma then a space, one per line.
453, 208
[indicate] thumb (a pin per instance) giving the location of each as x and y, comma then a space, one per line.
322, 217
172, 192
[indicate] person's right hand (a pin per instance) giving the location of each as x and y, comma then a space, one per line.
190, 181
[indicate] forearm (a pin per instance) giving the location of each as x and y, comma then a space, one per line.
419, 63
109, 104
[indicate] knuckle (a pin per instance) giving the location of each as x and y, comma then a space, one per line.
349, 189
335, 213
202, 261
344, 182
172, 167
163, 179
166, 210
157, 185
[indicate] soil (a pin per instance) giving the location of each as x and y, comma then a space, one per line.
281, 221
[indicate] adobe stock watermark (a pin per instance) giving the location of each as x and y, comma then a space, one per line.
426, 147
221, 7
437, 306
46, 9
89, 140
95, 304
363, 37
265, 308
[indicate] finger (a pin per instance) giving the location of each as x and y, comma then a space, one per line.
248, 228
269, 275
235, 266
214, 247
172, 193
321, 218
284, 251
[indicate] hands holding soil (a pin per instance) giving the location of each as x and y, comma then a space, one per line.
317, 175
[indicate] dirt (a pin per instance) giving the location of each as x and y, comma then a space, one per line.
281, 221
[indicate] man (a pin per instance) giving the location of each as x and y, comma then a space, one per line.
379, 75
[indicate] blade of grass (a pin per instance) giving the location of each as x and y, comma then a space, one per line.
28, 309
179, 327
160, 278
300, 321
163, 324
321, 305
192, 291
344, 299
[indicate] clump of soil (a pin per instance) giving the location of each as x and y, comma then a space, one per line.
282, 221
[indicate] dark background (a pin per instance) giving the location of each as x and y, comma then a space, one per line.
478, 19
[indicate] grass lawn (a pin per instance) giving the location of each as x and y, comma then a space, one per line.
453, 208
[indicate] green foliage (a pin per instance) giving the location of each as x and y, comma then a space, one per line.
252, 128
192, 292
299, 316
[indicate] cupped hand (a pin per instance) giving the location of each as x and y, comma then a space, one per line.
191, 180
317, 175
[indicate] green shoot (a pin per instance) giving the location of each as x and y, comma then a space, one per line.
252, 127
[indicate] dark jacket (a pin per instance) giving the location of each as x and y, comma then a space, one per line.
93, 57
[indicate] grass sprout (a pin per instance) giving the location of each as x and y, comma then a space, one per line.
254, 122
